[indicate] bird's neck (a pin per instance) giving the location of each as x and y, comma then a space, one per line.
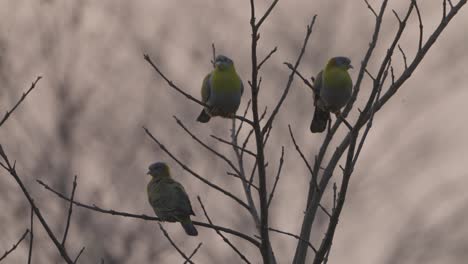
226, 79
335, 77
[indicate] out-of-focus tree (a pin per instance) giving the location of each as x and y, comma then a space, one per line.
89, 123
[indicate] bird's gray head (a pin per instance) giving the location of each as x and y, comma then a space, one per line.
222, 62
341, 62
158, 169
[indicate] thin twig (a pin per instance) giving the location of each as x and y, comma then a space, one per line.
12, 170
369, 74
174, 245
420, 24
79, 254
267, 13
213, 49
298, 149
25, 94
234, 146
404, 56
242, 179
196, 175
221, 234
266, 58
70, 209
397, 16
295, 236
31, 235
291, 77
306, 82
370, 8
172, 85
145, 217
13, 248
244, 115
221, 156
277, 176
194, 252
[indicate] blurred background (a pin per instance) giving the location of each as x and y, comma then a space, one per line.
407, 202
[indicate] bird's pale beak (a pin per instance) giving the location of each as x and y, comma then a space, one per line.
148, 173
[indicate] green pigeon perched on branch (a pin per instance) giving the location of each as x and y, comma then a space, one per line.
221, 90
332, 91
168, 198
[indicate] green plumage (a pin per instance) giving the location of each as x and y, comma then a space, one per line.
332, 89
221, 90
168, 198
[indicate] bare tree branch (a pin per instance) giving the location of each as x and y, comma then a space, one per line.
269, 123
295, 236
221, 234
370, 8
266, 58
13, 248
172, 85
12, 170
194, 252
8, 113
306, 82
421, 28
70, 209
277, 176
234, 146
174, 245
79, 254
146, 217
196, 175
31, 236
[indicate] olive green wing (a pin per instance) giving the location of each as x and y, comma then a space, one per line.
206, 88
317, 87
183, 206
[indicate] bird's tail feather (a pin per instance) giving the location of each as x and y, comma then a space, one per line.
319, 122
189, 228
204, 117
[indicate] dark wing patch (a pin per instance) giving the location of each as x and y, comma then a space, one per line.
206, 88
184, 207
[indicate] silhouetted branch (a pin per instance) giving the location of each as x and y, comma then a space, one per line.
314, 178
242, 179
234, 146
194, 252
172, 85
70, 209
244, 115
277, 176
421, 28
31, 235
221, 234
404, 56
240, 161
291, 77
145, 217
174, 245
8, 113
306, 82
196, 175
328, 239
370, 8
13, 248
223, 157
295, 236
266, 58
79, 254
12, 170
